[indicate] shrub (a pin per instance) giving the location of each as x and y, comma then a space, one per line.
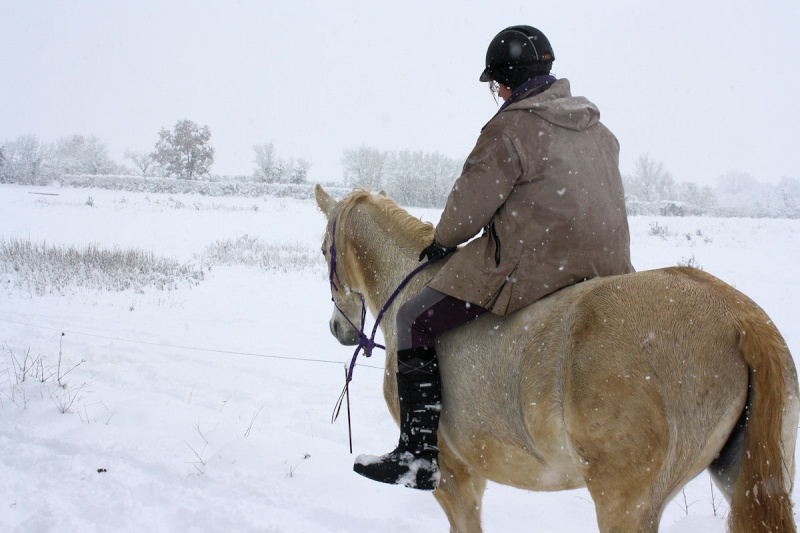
41, 268
252, 251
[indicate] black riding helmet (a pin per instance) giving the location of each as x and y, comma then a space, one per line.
517, 54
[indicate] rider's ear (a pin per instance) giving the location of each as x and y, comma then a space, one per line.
324, 200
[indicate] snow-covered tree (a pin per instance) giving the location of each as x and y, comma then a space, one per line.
272, 169
420, 178
789, 190
184, 152
697, 198
23, 161
268, 168
737, 182
81, 155
364, 167
649, 182
298, 170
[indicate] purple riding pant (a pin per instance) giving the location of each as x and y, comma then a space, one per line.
430, 314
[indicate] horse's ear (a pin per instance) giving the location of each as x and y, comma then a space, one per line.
382, 193
324, 200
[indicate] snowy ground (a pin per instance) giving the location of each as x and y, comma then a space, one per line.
207, 408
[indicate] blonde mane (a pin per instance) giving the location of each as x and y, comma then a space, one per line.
395, 219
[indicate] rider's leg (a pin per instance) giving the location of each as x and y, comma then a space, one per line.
420, 320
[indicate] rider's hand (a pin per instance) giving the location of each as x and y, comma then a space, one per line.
434, 251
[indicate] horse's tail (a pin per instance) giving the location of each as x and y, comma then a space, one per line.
761, 494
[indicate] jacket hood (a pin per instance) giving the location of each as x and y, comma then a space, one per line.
557, 106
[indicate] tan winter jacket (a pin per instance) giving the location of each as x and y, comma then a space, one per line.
543, 183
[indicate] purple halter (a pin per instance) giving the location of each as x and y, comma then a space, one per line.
367, 343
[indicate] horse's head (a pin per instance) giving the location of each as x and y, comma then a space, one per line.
348, 303
371, 244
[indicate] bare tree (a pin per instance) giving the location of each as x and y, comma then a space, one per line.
650, 181
184, 152
143, 162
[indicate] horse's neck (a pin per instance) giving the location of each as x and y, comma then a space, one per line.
384, 264
387, 256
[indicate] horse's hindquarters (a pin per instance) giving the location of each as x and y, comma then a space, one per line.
655, 383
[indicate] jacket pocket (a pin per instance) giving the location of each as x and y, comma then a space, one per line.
496, 239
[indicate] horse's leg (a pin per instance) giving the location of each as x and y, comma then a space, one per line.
460, 494
623, 448
616, 515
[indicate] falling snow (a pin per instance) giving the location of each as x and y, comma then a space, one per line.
208, 408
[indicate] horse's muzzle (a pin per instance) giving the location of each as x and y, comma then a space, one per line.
346, 335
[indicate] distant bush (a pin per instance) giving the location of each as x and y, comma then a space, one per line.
41, 269
252, 251
657, 230
690, 262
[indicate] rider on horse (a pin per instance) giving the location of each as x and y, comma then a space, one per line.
543, 184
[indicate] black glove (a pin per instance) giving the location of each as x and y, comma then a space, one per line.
434, 251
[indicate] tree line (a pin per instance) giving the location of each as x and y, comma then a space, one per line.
183, 152
650, 189
412, 178
424, 180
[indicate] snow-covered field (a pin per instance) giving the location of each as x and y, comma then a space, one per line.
207, 407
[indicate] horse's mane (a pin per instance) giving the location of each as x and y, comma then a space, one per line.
400, 221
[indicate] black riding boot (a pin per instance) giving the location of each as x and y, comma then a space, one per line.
414, 462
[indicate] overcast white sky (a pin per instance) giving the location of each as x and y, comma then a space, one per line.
705, 86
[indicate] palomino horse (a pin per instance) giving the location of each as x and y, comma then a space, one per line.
628, 385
